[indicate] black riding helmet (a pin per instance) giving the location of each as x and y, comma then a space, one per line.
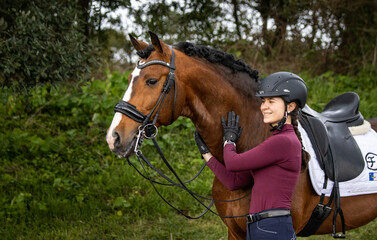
286, 85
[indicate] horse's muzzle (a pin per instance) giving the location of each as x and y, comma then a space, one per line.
119, 147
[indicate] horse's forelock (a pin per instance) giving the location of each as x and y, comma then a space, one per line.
146, 52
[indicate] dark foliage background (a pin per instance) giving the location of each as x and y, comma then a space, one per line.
66, 40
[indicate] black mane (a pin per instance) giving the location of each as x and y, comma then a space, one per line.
210, 54
216, 56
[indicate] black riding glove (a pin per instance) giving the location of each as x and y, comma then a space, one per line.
232, 131
203, 149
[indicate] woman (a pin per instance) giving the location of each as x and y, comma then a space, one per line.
274, 165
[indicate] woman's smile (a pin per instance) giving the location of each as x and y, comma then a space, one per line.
273, 109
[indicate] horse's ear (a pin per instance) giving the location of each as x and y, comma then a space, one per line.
138, 45
157, 44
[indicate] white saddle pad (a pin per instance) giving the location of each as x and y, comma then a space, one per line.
365, 183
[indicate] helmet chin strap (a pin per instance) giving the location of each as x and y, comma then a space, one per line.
281, 123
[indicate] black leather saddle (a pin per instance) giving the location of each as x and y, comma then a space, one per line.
336, 149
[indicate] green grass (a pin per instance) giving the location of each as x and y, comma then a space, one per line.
59, 180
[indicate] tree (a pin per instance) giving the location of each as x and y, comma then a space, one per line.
357, 33
49, 41
42, 42
284, 13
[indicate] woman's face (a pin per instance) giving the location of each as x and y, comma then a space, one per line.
273, 109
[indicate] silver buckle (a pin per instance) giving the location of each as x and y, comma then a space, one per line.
139, 141
155, 131
141, 135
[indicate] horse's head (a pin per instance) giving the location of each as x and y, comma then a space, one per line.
206, 85
150, 96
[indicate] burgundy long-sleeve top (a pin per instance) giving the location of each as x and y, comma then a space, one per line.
274, 166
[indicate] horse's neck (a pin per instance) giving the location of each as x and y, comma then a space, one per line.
211, 96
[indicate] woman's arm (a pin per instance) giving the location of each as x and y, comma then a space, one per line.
271, 151
231, 180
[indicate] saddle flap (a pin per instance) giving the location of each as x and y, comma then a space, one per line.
318, 136
347, 157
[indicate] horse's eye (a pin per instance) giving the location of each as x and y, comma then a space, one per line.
151, 81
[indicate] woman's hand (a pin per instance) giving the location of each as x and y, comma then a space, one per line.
203, 149
232, 130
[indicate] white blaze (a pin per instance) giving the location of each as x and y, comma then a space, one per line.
118, 116
127, 95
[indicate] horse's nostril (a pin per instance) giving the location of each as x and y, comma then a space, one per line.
117, 138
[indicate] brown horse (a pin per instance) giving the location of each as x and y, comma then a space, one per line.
210, 83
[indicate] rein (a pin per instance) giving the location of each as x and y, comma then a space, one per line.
148, 130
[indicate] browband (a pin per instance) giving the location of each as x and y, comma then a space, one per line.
153, 62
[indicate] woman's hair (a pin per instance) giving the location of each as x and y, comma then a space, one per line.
305, 156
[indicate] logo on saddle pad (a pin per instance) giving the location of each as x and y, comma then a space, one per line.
372, 176
371, 159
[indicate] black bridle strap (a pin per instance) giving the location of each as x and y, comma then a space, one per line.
172, 183
166, 88
167, 202
156, 62
207, 208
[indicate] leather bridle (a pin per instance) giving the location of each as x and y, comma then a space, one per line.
130, 110
148, 130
